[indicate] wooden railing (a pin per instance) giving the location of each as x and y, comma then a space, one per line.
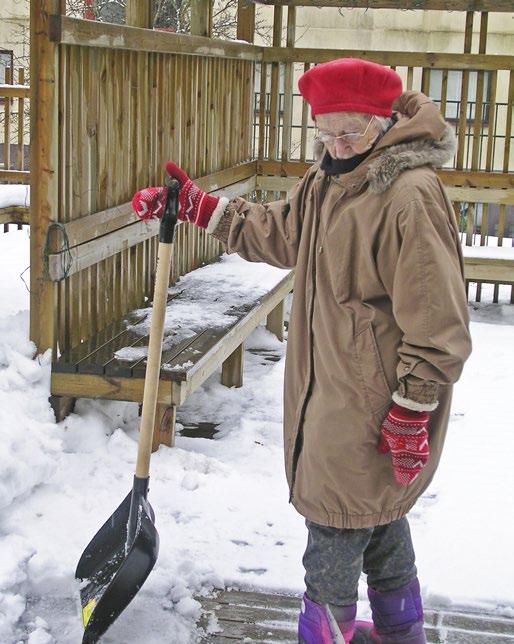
479, 180
14, 112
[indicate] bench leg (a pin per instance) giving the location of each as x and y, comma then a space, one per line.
275, 321
62, 405
164, 429
232, 368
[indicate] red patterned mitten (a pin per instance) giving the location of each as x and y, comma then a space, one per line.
195, 205
404, 434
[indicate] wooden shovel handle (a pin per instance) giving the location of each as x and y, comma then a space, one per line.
153, 365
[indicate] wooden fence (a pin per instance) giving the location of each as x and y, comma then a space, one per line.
111, 103
14, 111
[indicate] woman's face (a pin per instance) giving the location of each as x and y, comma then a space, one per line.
333, 124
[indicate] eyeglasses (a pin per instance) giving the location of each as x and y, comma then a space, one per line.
350, 137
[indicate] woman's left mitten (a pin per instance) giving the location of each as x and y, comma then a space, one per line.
404, 433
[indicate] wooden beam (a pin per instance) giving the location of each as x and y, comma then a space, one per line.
489, 269
245, 20
128, 389
140, 13
432, 5
44, 164
393, 58
232, 368
473, 179
69, 261
88, 33
455, 193
14, 91
231, 181
15, 175
14, 215
201, 18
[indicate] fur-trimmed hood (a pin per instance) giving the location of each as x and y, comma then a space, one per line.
419, 137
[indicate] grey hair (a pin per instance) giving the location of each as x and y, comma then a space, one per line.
385, 122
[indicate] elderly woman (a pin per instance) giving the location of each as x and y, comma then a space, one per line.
378, 334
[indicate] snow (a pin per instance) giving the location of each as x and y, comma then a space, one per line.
490, 252
221, 505
14, 195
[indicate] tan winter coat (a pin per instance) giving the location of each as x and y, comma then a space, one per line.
379, 311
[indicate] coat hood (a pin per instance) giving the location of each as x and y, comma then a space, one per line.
419, 137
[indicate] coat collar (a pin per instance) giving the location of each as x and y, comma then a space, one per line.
420, 137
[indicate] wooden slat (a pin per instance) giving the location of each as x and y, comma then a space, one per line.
490, 269
139, 13
20, 153
463, 112
305, 117
201, 18
7, 122
17, 176
398, 58
432, 5
14, 91
245, 20
101, 223
89, 33
288, 86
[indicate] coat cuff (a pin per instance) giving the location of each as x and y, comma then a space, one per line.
217, 215
413, 405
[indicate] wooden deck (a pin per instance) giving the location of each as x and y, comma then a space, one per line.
266, 618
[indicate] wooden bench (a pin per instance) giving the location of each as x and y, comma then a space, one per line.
92, 369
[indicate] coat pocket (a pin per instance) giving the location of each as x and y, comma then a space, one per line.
374, 383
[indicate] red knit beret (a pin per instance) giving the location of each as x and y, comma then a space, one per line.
350, 85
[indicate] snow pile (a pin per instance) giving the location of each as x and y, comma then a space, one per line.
221, 505
14, 195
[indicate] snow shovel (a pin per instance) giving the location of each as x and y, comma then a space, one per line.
123, 552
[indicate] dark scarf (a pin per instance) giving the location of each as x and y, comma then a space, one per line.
340, 166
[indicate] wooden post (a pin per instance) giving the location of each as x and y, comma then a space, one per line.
245, 20
44, 165
288, 86
140, 13
201, 18
164, 428
275, 321
62, 406
232, 368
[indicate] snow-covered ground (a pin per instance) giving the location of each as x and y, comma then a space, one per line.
221, 505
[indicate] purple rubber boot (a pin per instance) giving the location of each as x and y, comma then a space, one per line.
325, 624
397, 617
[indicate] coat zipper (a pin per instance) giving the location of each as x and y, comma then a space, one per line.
299, 436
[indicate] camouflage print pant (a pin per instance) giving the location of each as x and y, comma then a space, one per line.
334, 560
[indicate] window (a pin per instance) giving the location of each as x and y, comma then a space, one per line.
453, 93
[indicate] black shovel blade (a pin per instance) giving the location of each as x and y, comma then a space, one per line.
116, 562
